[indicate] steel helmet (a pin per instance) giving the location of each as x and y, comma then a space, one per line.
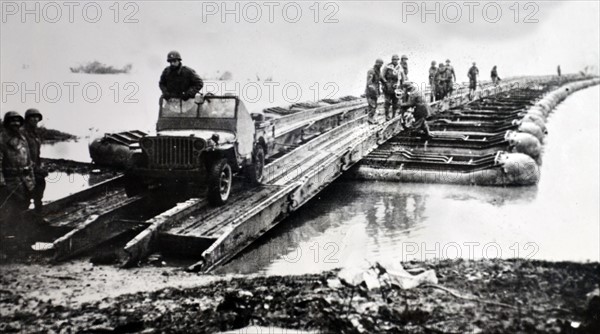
379, 61
173, 55
395, 57
10, 115
433, 62
404, 57
33, 112
409, 86
448, 61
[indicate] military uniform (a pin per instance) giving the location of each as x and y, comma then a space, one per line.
494, 75
391, 76
432, 73
473, 73
450, 79
35, 142
180, 82
16, 180
421, 111
440, 83
372, 90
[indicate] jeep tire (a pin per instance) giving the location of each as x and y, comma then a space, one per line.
133, 186
255, 171
219, 182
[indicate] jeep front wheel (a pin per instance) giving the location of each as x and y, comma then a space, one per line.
254, 172
133, 186
219, 182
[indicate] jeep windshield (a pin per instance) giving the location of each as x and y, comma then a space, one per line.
213, 107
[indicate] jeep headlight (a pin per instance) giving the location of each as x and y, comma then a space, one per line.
198, 144
146, 144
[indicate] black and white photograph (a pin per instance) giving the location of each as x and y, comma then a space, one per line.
300, 167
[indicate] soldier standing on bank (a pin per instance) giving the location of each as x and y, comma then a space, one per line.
372, 90
391, 75
16, 180
34, 139
432, 72
178, 81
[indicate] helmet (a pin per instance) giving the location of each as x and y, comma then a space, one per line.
33, 112
433, 62
447, 61
404, 57
173, 55
395, 57
11, 115
379, 61
474, 64
409, 86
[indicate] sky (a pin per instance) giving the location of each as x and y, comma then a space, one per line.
327, 58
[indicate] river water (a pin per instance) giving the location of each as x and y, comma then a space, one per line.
352, 222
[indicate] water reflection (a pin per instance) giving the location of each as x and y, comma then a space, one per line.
353, 221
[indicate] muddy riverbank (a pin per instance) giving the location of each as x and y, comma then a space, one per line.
485, 296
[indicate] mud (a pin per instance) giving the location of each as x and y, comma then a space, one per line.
487, 296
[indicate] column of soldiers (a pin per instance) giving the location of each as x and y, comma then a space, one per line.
441, 80
391, 77
23, 176
399, 94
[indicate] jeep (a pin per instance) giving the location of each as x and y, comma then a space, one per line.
203, 141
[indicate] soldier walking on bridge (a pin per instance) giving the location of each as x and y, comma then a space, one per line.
494, 75
404, 64
450, 78
16, 180
178, 81
440, 82
472, 74
373, 90
432, 72
31, 132
391, 75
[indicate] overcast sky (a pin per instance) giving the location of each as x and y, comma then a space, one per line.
566, 33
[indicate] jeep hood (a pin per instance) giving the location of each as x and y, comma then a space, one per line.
224, 136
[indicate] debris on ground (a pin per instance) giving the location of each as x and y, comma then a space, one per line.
509, 296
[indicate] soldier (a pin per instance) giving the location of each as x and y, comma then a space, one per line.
404, 64
421, 111
178, 81
432, 72
440, 82
372, 90
472, 74
451, 78
494, 75
16, 180
31, 132
390, 76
